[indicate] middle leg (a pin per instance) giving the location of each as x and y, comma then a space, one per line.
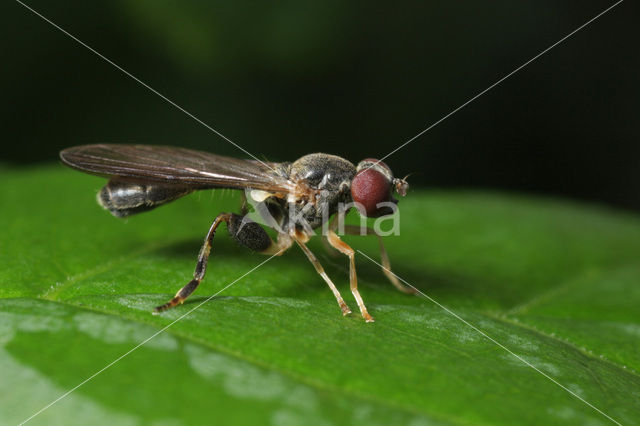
320, 270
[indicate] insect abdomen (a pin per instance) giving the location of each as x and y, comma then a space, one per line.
124, 198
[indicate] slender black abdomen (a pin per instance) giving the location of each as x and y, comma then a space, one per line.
126, 197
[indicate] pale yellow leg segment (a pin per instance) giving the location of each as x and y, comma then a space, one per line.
386, 264
344, 248
343, 306
329, 248
279, 247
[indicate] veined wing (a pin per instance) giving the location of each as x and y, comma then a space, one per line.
176, 165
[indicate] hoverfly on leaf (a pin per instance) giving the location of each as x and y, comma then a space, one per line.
298, 197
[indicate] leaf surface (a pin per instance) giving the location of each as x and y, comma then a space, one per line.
556, 283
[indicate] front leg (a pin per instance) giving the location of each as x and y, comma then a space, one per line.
344, 248
386, 264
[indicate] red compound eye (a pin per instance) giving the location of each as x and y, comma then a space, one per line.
368, 162
368, 188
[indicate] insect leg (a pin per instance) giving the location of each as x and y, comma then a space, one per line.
386, 264
343, 247
329, 248
323, 274
201, 266
246, 232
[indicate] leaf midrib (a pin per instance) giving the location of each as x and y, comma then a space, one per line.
318, 385
324, 387
529, 327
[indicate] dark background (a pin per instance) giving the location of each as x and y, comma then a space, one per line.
352, 78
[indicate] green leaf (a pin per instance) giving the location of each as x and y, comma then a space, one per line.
556, 283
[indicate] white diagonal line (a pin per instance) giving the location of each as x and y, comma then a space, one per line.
500, 81
64, 395
449, 311
143, 83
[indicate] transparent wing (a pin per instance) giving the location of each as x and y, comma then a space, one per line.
182, 166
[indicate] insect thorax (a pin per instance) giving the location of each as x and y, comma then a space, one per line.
329, 178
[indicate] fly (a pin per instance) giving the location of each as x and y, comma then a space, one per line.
292, 198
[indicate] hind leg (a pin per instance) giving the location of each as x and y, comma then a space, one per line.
246, 232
